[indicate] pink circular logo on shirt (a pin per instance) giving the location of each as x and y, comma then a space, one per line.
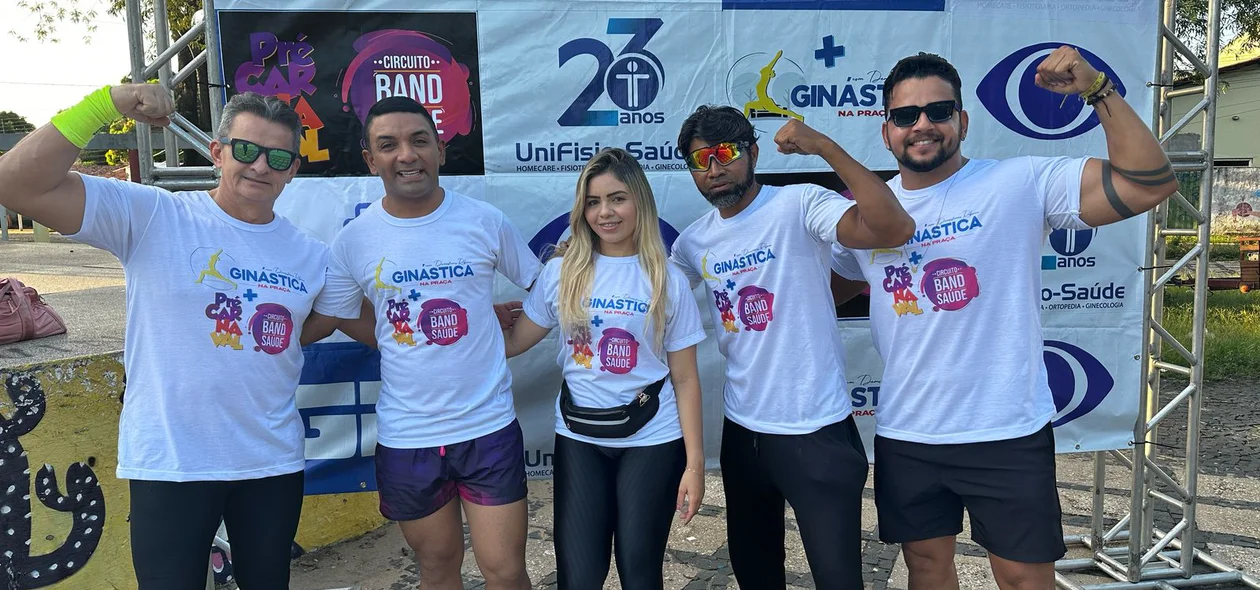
272, 328
950, 284
756, 308
618, 351
443, 321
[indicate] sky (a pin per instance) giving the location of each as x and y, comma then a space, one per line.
37, 79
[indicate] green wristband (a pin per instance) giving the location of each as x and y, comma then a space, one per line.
80, 122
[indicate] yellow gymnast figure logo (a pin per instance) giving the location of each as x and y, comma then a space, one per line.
763, 105
212, 271
704, 268
380, 285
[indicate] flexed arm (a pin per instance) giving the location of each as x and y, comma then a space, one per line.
1137, 176
35, 177
878, 220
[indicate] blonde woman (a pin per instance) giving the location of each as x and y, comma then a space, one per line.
629, 448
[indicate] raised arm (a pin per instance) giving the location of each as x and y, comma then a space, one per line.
877, 220
35, 174
1136, 176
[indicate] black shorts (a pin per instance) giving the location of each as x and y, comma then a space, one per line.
1008, 487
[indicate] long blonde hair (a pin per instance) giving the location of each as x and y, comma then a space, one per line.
577, 271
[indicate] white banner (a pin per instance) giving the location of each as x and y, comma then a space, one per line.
996, 53
560, 80
584, 80
826, 70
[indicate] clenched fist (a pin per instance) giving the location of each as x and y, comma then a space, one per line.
1065, 71
796, 137
146, 103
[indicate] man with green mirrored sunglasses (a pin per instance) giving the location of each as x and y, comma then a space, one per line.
246, 152
218, 288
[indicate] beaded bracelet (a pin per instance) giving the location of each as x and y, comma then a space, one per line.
1097, 98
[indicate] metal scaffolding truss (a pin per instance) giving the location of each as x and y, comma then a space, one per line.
181, 132
1133, 550
1128, 547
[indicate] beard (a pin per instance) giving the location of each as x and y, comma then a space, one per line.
944, 153
729, 196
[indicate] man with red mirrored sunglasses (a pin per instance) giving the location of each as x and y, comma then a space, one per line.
763, 254
965, 406
218, 287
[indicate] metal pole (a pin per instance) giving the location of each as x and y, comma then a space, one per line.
1193, 414
144, 138
213, 65
1141, 510
172, 50
162, 35
1097, 524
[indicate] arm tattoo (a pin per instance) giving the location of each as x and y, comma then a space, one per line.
1164, 175
1112, 196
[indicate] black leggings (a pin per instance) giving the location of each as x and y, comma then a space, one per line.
821, 474
173, 525
602, 494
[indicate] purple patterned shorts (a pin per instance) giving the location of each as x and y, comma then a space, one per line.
488, 471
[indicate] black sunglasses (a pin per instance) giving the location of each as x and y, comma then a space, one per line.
937, 112
246, 152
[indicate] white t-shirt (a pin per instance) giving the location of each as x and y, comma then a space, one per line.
955, 312
766, 271
215, 306
616, 357
444, 377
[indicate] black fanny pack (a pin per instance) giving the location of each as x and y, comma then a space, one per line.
618, 422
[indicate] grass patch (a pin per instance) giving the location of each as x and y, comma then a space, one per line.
1232, 338
1221, 249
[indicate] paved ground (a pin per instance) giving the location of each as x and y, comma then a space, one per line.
1228, 516
85, 286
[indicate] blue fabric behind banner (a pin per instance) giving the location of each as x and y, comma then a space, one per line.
351, 364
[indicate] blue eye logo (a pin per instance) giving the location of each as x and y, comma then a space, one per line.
1011, 95
1078, 381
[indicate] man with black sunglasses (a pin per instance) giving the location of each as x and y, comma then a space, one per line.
965, 407
763, 255
218, 287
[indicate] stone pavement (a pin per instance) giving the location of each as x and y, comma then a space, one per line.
1228, 517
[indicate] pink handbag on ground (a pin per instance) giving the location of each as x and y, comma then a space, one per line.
24, 315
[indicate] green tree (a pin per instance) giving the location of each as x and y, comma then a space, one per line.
11, 122
1238, 18
121, 126
191, 99
50, 13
